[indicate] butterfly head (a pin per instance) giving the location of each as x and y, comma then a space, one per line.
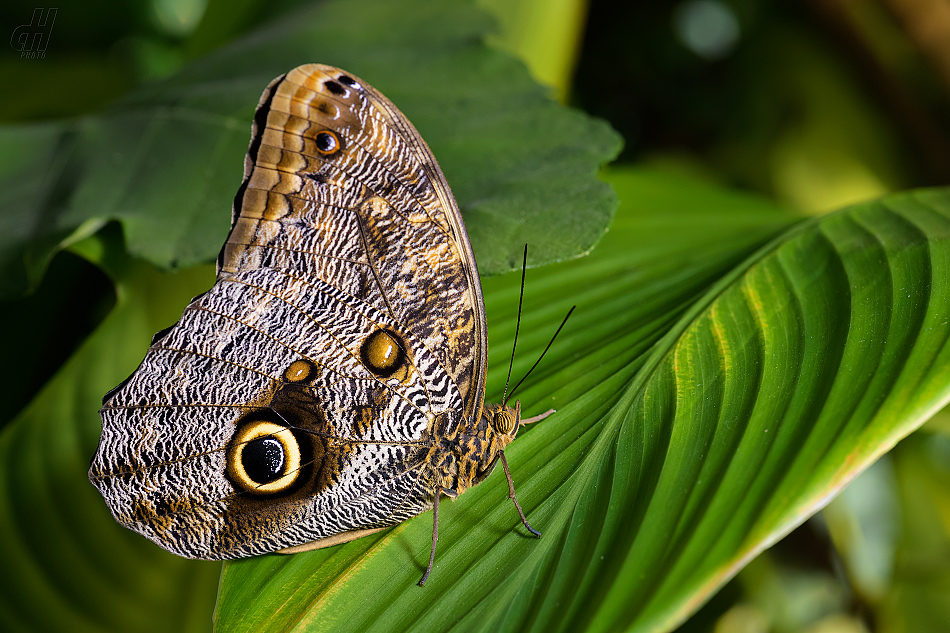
497, 428
505, 421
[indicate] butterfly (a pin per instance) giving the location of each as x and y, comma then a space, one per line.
331, 383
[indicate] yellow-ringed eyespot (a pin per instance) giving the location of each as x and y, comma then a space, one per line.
301, 371
263, 458
326, 142
383, 353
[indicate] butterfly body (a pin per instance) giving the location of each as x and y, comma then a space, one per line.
332, 380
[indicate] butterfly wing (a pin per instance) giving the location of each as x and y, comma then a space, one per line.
300, 397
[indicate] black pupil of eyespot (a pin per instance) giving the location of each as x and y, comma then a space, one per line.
325, 142
263, 459
347, 81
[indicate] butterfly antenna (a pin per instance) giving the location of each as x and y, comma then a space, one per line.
551, 342
524, 266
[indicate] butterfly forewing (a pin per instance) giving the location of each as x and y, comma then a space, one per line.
339, 185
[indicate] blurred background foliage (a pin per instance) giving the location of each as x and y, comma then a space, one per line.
814, 104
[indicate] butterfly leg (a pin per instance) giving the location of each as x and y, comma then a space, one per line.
435, 535
511, 495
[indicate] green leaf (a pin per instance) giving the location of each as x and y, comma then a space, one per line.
33, 174
68, 564
167, 159
664, 470
704, 409
63, 540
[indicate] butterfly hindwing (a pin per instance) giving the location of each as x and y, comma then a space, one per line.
291, 348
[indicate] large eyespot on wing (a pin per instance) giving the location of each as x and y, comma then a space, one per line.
338, 184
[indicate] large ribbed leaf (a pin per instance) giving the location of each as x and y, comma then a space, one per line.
670, 241
684, 442
714, 388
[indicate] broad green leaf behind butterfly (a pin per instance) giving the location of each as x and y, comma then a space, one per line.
166, 159
667, 467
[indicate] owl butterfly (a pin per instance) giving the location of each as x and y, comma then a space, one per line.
331, 383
